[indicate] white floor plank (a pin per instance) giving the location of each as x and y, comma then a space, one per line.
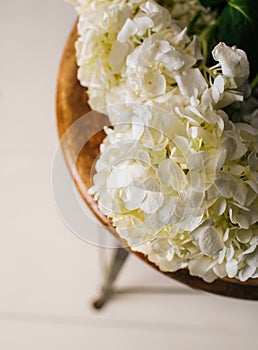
52, 336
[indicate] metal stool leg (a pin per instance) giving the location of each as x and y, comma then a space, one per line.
119, 257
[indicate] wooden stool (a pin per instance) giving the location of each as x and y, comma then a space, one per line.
71, 104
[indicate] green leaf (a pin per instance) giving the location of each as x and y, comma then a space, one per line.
238, 25
210, 3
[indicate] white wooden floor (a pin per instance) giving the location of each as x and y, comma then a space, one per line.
49, 276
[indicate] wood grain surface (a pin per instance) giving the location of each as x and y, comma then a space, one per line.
71, 105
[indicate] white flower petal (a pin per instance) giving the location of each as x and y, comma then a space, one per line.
117, 56
159, 14
246, 272
219, 82
231, 268
219, 207
225, 238
197, 160
129, 29
143, 24
171, 175
189, 220
160, 245
226, 185
173, 265
201, 267
155, 83
220, 270
209, 239
152, 202
191, 82
195, 49
182, 39
244, 236
229, 97
252, 258
230, 253
123, 177
222, 255
242, 217
164, 214
182, 144
135, 197
132, 60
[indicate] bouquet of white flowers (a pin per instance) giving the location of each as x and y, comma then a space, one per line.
178, 169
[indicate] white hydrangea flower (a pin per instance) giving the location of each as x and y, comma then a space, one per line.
175, 191
100, 56
152, 67
178, 179
111, 30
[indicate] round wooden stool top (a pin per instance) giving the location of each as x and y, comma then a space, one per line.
71, 105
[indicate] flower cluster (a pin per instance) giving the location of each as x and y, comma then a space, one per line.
113, 36
186, 12
177, 177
